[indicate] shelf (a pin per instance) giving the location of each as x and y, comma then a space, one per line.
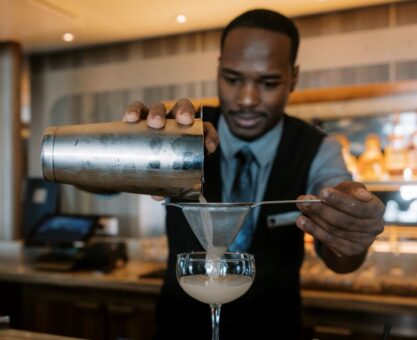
388, 185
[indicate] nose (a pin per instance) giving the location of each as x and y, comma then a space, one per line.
248, 95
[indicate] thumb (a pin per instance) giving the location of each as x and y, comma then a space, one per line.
356, 189
362, 194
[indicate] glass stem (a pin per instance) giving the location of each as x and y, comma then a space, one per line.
215, 321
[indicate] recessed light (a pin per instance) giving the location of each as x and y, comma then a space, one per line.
181, 18
68, 37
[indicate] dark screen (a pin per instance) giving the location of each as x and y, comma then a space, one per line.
63, 229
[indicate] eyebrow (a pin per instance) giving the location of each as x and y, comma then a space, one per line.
271, 76
229, 70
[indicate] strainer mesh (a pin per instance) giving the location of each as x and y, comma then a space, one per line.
216, 226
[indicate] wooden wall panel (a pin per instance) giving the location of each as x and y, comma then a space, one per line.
406, 12
344, 21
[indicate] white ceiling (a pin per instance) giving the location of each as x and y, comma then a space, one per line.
39, 24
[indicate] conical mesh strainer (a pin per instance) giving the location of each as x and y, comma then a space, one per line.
216, 224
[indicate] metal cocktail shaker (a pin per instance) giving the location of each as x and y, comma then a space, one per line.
127, 157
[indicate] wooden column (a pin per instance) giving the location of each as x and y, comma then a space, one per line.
11, 152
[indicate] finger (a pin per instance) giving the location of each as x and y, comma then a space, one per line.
300, 198
358, 190
344, 247
363, 238
338, 218
134, 112
351, 205
158, 198
211, 138
183, 112
329, 216
156, 116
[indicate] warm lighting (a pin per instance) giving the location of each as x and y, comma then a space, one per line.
181, 18
408, 174
408, 192
68, 37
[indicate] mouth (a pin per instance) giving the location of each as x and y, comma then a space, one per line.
246, 120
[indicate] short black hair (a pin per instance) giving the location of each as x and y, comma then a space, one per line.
268, 20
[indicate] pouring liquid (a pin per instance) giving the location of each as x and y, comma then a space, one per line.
213, 252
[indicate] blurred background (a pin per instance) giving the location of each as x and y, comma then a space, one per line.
83, 61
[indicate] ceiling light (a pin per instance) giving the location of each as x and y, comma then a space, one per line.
181, 18
68, 37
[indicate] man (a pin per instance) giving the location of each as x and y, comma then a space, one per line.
289, 158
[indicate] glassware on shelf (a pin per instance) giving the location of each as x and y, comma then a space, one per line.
215, 281
396, 156
371, 165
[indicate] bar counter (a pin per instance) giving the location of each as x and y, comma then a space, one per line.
329, 300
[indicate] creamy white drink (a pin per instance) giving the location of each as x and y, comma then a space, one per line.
216, 289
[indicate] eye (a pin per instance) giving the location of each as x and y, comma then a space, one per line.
270, 84
231, 80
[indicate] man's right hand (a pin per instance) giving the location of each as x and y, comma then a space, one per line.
183, 112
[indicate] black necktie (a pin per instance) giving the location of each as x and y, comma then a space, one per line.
244, 191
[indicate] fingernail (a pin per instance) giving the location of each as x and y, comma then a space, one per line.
363, 194
325, 194
156, 122
131, 117
210, 146
301, 223
184, 119
156, 118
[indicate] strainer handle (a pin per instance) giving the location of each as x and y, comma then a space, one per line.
285, 202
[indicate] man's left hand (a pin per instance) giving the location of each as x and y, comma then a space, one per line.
347, 221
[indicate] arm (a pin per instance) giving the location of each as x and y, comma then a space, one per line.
350, 217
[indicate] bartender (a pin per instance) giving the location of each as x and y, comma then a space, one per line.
253, 143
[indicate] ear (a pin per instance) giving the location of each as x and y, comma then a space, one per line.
295, 73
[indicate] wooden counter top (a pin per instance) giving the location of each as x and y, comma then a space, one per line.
359, 302
126, 278
14, 334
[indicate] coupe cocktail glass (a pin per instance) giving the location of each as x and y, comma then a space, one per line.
215, 281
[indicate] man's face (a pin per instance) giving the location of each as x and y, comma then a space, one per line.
255, 77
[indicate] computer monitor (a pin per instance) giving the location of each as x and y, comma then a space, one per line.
63, 230
40, 197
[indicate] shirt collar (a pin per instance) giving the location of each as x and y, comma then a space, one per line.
264, 148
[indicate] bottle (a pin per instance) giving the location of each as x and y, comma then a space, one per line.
412, 156
127, 157
350, 160
371, 161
